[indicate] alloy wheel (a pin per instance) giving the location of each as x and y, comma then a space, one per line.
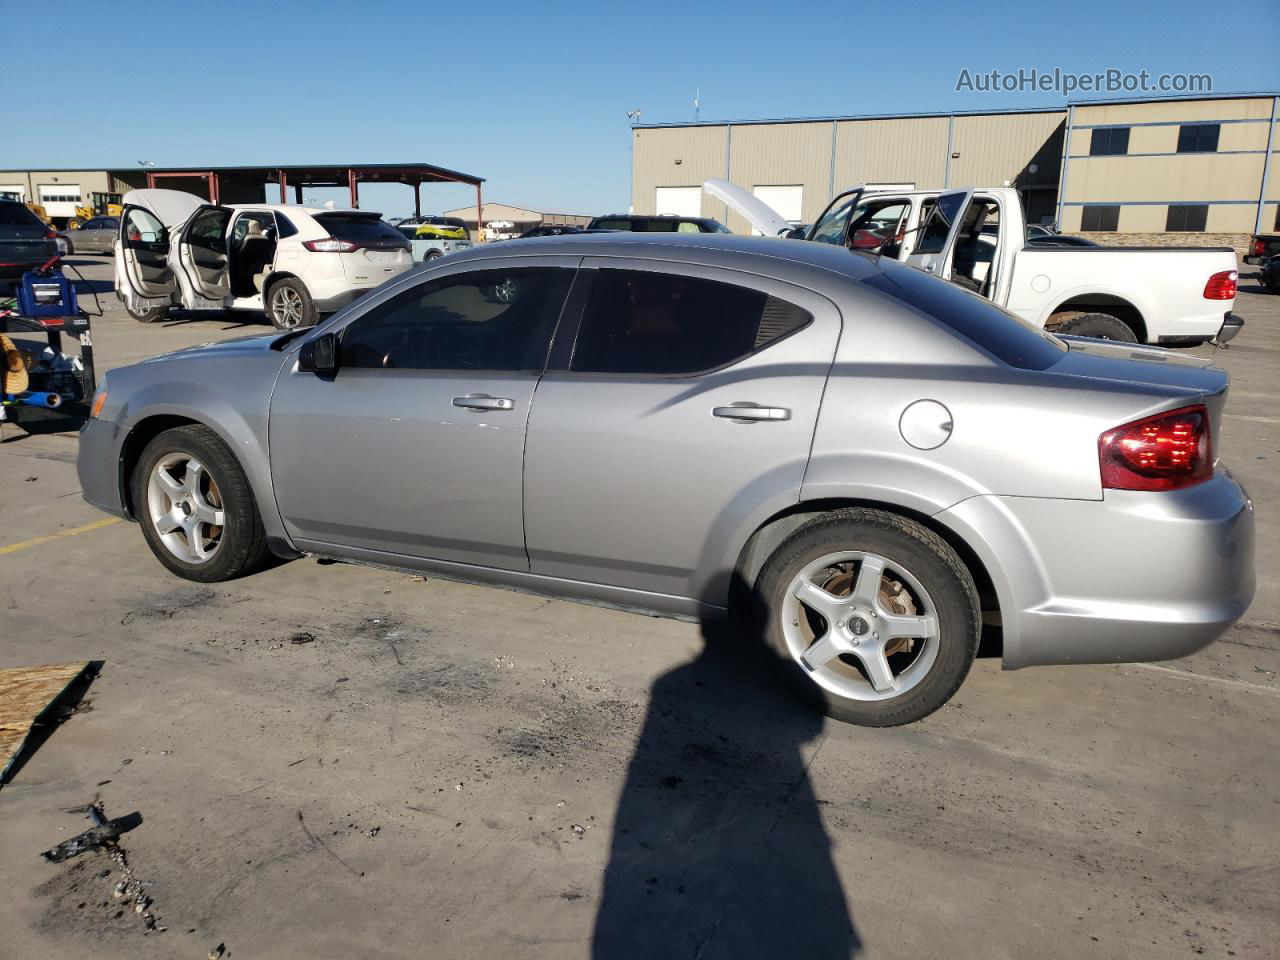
860, 625
286, 307
185, 507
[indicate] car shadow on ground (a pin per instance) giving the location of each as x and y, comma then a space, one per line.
719, 849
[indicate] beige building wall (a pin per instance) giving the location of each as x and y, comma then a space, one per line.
893, 150
1001, 147
675, 157
1152, 174
782, 154
89, 181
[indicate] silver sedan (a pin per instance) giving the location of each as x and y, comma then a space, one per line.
865, 466
97, 235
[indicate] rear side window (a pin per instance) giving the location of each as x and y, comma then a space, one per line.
16, 215
362, 229
284, 226
655, 323
998, 332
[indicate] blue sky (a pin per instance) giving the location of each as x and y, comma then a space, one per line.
533, 96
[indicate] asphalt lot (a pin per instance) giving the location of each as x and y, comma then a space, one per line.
337, 761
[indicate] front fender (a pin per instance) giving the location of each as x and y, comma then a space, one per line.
239, 419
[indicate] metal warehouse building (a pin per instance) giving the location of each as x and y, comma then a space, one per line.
1178, 170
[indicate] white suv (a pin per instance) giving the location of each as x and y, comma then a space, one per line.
293, 263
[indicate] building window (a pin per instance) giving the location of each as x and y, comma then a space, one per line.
1187, 217
1098, 217
1198, 138
1109, 142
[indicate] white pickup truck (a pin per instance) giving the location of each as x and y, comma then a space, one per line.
978, 238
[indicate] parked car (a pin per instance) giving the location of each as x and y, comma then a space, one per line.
1269, 274
1263, 247
1160, 295
25, 241
862, 462
434, 237
97, 235
657, 224
63, 241
551, 230
295, 263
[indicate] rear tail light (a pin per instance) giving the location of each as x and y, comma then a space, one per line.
1259, 248
1221, 286
330, 245
1166, 452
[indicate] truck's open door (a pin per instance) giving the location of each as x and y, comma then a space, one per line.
936, 233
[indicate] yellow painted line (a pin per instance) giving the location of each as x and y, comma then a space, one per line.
73, 532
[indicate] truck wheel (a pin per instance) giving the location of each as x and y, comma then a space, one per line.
150, 315
431, 255
1100, 326
289, 305
871, 617
196, 508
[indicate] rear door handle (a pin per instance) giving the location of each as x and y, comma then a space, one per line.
482, 401
751, 412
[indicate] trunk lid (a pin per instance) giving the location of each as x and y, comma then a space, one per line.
1187, 378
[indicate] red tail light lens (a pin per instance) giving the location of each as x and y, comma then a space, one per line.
1166, 452
330, 245
1221, 286
1259, 248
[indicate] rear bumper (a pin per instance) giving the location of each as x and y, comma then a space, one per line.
1130, 578
1230, 328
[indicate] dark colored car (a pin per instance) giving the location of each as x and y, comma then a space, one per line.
1270, 275
26, 241
1264, 246
551, 230
657, 224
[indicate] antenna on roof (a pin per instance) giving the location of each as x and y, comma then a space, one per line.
634, 115
697, 102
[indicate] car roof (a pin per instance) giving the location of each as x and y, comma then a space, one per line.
650, 216
771, 254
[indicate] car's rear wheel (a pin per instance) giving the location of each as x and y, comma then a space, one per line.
289, 305
873, 618
1100, 326
196, 509
150, 315
432, 255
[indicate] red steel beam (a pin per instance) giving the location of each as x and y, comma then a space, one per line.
284, 185
355, 191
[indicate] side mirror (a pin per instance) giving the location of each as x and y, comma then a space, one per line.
796, 233
319, 355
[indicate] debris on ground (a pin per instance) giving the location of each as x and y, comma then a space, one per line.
103, 832
579, 829
219, 952
302, 637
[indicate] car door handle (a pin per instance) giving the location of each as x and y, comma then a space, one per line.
751, 412
482, 401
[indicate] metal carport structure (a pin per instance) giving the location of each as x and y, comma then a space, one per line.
248, 183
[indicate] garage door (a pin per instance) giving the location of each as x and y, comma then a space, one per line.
59, 199
787, 199
678, 201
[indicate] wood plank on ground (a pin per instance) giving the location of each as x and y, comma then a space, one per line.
27, 694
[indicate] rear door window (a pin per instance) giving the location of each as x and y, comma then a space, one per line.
640, 322
361, 229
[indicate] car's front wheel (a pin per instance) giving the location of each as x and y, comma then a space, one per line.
872, 617
289, 305
196, 509
431, 255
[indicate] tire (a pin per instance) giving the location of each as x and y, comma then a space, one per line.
289, 305
150, 315
923, 588
431, 255
1100, 326
235, 547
